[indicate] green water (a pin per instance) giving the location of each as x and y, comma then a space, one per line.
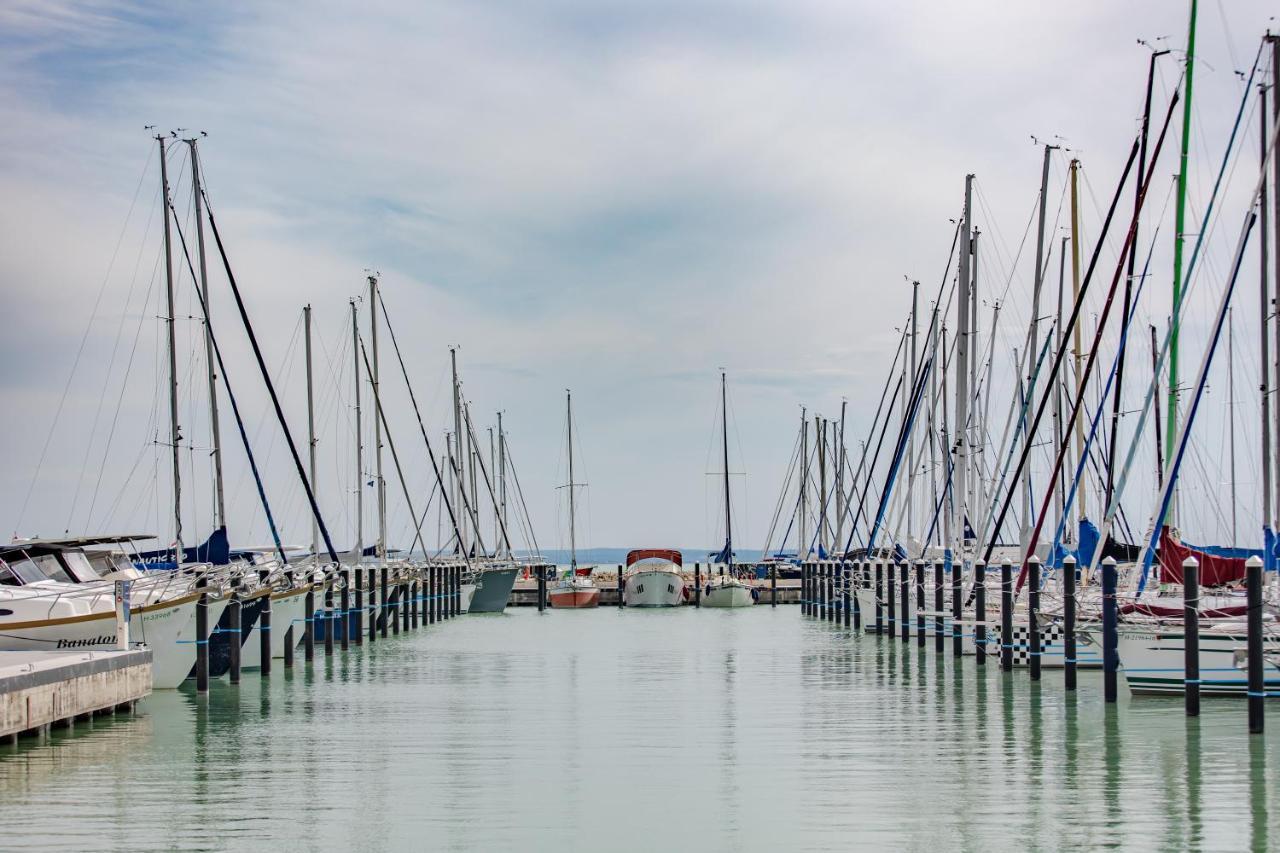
643, 730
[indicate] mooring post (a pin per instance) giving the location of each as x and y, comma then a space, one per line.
1033, 616
1006, 614
697, 584
344, 603
412, 601
879, 598
289, 643
372, 576
328, 614
980, 610
846, 586
264, 627
621, 602
542, 588
357, 610
804, 588
393, 607
406, 604
202, 635
833, 600
1069, 623
457, 591
383, 600
957, 608
122, 589
862, 579
1191, 632
308, 624
1110, 632
939, 638
891, 587
432, 596
773, 584
920, 608
904, 578
235, 637
1257, 686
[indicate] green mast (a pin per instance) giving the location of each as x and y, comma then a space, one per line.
1180, 217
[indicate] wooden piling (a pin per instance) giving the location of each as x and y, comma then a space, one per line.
264, 628
344, 602
862, 572
1033, 617
939, 639
773, 584
328, 614
289, 634
957, 609
980, 611
202, 636
1110, 632
1253, 575
372, 576
891, 587
904, 622
236, 637
1191, 633
846, 586
697, 584
542, 588
879, 597
357, 614
1006, 613
621, 585
1069, 623
920, 638
308, 624
383, 594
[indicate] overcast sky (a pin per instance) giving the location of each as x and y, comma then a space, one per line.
614, 198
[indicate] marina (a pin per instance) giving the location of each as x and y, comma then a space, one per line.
344, 471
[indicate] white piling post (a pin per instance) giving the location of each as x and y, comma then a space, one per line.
122, 614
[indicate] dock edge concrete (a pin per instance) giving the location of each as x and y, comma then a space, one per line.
40, 689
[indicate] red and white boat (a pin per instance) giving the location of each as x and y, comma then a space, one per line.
575, 590
653, 578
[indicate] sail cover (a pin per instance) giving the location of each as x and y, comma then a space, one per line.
1218, 566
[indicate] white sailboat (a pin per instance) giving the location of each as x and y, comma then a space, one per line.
726, 589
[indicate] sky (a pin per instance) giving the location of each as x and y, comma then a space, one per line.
615, 198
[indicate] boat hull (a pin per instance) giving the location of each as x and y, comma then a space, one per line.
492, 591
1153, 662
728, 595
574, 598
653, 589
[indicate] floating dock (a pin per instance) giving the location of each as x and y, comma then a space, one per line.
44, 689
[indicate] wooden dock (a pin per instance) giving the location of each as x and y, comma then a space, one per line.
525, 592
44, 689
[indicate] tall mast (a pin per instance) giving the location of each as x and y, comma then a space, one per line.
175, 434
973, 428
1033, 344
311, 427
1128, 282
459, 483
497, 516
840, 463
215, 431
1275, 118
355, 356
945, 442
802, 544
962, 371
724, 432
453, 487
911, 453
1076, 344
820, 430
1268, 521
1060, 487
568, 419
1180, 220
379, 483
502, 475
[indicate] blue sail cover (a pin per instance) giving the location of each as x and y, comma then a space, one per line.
1088, 538
215, 550
724, 555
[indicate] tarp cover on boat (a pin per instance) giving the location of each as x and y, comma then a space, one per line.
215, 550
1218, 565
1084, 553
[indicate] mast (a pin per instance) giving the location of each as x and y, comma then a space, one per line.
355, 356
820, 430
1060, 487
458, 483
497, 516
962, 371
215, 431
840, 463
802, 544
311, 427
1128, 282
973, 429
502, 475
1268, 520
1155, 378
568, 419
1275, 119
1180, 220
175, 434
1075, 338
947, 467
1033, 346
724, 432
911, 449
380, 485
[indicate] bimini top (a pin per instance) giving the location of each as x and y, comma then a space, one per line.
668, 554
73, 542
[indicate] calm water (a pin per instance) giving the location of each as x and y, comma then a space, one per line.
684, 729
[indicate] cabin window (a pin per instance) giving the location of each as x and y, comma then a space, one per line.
640, 588
671, 587
29, 569
80, 566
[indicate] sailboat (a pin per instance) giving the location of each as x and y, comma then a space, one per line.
726, 589
576, 589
